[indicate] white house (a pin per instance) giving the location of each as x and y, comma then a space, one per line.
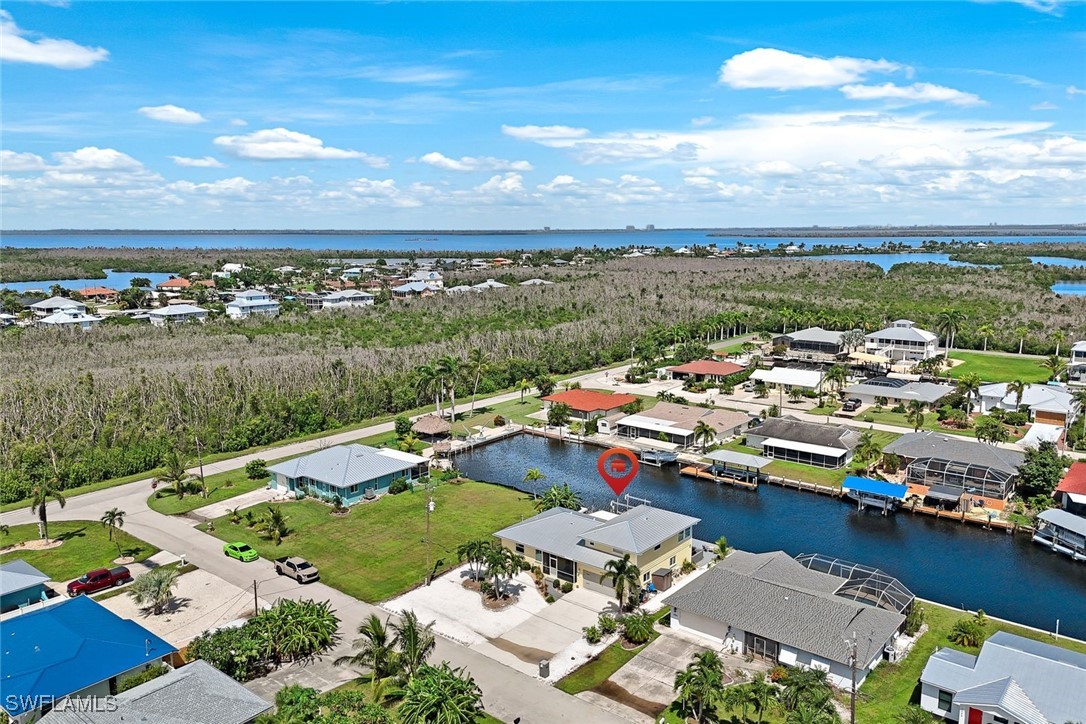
1012, 679
232, 268
353, 272
52, 305
70, 318
1076, 366
250, 302
347, 299
433, 278
798, 612
176, 313
1048, 404
489, 284
535, 282
902, 340
789, 377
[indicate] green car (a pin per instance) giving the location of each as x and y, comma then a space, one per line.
241, 551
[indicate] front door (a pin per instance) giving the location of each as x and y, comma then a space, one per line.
976, 716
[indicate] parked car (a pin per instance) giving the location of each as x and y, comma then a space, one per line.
242, 551
297, 568
852, 404
749, 386
99, 579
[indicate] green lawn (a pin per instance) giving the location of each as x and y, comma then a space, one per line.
892, 687
808, 473
86, 547
221, 486
377, 550
513, 411
999, 367
605, 664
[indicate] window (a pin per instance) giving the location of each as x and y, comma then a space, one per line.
520, 548
999, 720
657, 547
354, 488
685, 534
946, 699
538, 556
644, 578
672, 561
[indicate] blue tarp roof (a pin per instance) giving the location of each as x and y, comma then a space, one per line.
64, 648
875, 487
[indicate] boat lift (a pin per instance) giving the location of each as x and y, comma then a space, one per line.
875, 493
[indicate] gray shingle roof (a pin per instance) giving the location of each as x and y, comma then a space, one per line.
346, 465
949, 447
773, 595
926, 392
639, 529
1053, 678
812, 433
194, 694
18, 575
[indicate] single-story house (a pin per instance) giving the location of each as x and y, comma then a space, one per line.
704, 369
99, 295
576, 547
1071, 492
196, 693
1011, 679
353, 272
20, 584
1076, 366
812, 341
489, 284
897, 391
349, 471
52, 305
677, 423
789, 378
233, 267
1049, 404
74, 648
433, 278
799, 612
413, 289
587, 404
70, 318
176, 284
287, 269
902, 340
177, 313
810, 443
346, 299
250, 302
952, 465
535, 282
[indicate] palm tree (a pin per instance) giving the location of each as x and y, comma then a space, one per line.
478, 365
1017, 388
473, 551
533, 475
523, 386
762, 695
407, 443
1021, 332
40, 495
949, 322
154, 588
429, 383
375, 650
837, 375
804, 686
413, 642
868, 449
174, 473
985, 331
500, 561
808, 714
701, 686
274, 524
704, 432
448, 370
1059, 337
969, 387
914, 414
1055, 366
441, 695
113, 518
624, 575
559, 496
721, 547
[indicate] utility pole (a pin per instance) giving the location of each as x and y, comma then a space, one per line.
256, 604
429, 510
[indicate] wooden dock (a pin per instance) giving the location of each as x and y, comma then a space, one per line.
702, 474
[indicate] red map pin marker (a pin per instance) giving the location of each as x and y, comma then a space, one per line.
618, 467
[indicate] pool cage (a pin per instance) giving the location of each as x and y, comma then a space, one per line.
967, 477
862, 583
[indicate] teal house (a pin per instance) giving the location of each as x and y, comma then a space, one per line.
352, 472
20, 584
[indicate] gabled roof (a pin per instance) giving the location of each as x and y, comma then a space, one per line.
815, 334
18, 575
251, 294
1075, 480
1047, 398
63, 648
197, 693
534, 282
1063, 519
347, 295
490, 284
246, 303
789, 376
345, 465
69, 315
926, 392
951, 447
1006, 694
176, 310
416, 287
639, 529
590, 400
902, 334
561, 532
708, 367
810, 433
57, 303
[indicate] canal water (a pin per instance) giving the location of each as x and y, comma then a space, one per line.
961, 566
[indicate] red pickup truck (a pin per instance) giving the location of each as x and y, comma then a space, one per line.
99, 579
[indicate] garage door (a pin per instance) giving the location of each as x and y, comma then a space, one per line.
1050, 418
592, 582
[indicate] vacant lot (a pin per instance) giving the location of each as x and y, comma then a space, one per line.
86, 546
999, 367
378, 550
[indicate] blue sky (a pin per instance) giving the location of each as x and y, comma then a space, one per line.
349, 115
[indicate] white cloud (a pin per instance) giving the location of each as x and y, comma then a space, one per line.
781, 70
13, 161
563, 183
378, 192
1045, 106
94, 158
915, 93
17, 46
205, 162
413, 75
472, 163
1049, 7
172, 114
278, 144
236, 186
540, 133
701, 121
499, 184
700, 171
238, 122
773, 168
1073, 91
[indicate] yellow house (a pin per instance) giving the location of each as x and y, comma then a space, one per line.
576, 547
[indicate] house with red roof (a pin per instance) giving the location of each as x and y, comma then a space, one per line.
175, 285
588, 404
99, 295
1071, 492
704, 369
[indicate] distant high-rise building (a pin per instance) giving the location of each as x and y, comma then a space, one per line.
631, 227
650, 227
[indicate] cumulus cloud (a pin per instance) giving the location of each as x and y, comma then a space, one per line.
13, 161
502, 184
236, 186
772, 168
701, 121
540, 133
205, 162
279, 144
1073, 91
94, 158
781, 70
915, 93
172, 114
473, 163
20, 46
238, 122
1044, 106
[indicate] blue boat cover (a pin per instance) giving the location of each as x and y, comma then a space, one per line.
875, 487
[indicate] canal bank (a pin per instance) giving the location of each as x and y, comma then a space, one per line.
962, 567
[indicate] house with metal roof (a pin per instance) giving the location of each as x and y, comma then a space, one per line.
535, 282
675, 424
489, 284
896, 391
1011, 679
902, 340
1050, 404
952, 465
431, 277
352, 472
810, 443
196, 693
70, 318
1076, 365
808, 611
20, 584
176, 313
346, 299
76, 648
576, 547
811, 343
787, 378
413, 289
52, 305
252, 302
